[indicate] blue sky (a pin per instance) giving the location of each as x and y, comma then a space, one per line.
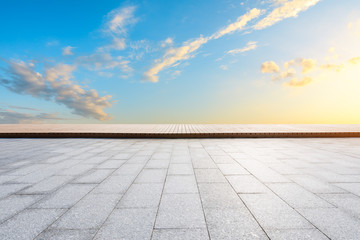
213, 61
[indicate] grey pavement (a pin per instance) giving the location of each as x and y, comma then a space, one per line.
180, 188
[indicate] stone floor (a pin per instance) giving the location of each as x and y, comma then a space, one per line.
180, 189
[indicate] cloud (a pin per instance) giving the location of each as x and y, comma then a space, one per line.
308, 65
173, 56
23, 108
270, 67
342, 66
354, 27
299, 83
286, 10
103, 61
167, 42
289, 63
355, 60
224, 67
119, 19
250, 46
67, 51
286, 74
59, 74
239, 24
52, 43
55, 85
105, 74
117, 44
334, 67
11, 117
2, 105
116, 26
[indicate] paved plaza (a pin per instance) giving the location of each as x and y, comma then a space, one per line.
180, 188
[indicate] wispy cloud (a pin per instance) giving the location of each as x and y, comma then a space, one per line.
67, 50
7, 106
10, 117
239, 24
224, 67
334, 67
56, 85
167, 42
52, 43
286, 9
119, 19
250, 46
103, 61
174, 56
116, 27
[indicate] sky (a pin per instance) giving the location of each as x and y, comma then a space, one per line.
158, 61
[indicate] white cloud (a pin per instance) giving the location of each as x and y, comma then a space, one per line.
59, 74
269, 67
239, 24
52, 43
105, 74
167, 42
116, 27
173, 56
23, 108
102, 61
119, 19
224, 67
117, 44
56, 86
250, 46
286, 10
8, 116
67, 51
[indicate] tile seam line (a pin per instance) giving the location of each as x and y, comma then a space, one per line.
68, 209
43, 197
162, 193
96, 233
197, 186
285, 203
256, 220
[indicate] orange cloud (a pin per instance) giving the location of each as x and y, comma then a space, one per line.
337, 68
299, 83
269, 67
